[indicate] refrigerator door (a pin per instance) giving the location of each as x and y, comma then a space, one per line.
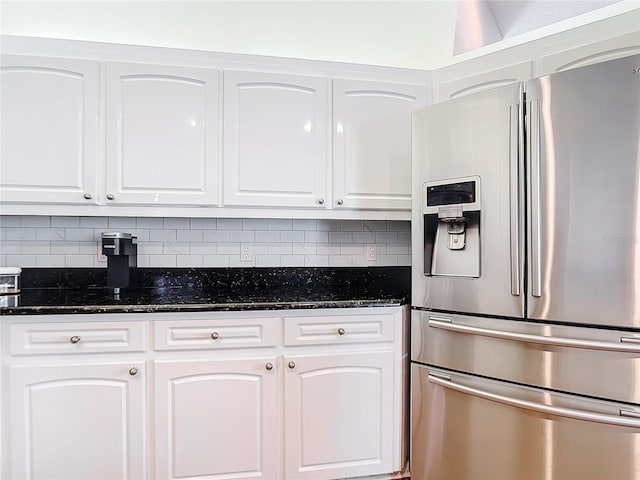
471, 139
588, 361
471, 428
583, 145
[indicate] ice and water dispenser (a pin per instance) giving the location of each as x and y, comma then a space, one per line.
451, 210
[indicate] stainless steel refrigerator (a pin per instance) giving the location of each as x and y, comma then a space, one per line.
526, 280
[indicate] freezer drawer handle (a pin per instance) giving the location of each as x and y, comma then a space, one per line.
630, 340
622, 421
623, 346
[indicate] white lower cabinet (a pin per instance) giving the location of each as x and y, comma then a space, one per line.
297, 394
77, 421
338, 415
216, 418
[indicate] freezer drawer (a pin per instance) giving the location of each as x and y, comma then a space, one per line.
589, 361
467, 427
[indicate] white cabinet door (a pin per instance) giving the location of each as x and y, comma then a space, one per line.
162, 134
275, 139
609, 49
466, 85
372, 143
216, 418
49, 131
338, 415
77, 421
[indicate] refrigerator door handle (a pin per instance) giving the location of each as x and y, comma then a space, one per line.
533, 137
626, 343
622, 421
514, 192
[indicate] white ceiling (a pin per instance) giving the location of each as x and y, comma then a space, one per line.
414, 34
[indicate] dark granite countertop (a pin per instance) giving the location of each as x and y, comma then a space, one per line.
66, 291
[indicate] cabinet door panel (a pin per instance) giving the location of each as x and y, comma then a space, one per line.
275, 139
162, 134
77, 421
372, 143
216, 419
339, 415
49, 126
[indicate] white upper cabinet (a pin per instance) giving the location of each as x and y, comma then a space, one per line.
162, 133
275, 139
583, 55
49, 132
477, 82
372, 143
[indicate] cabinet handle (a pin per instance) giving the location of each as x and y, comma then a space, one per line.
292, 364
74, 339
87, 196
320, 201
341, 331
110, 196
214, 335
269, 366
339, 201
133, 371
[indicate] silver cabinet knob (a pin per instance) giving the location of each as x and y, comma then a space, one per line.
214, 335
292, 364
74, 339
341, 331
110, 196
269, 366
320, 201
339, 201
87, 196
133, 371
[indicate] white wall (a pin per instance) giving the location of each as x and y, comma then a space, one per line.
413, 34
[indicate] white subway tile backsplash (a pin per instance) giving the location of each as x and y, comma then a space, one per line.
35, 221
190, 235
292, 236
279, 224
65, 222
79, 260
203, 248
80, 234
50, 233
304, 224
94, 222
255, 224
21, 261
204, 223
176, 223
38, 248
317, 237
149, 223
340, 237
162, 235
229, 224
204, 242
176, 248
351, 225
122, 222
168, 261
268, 236
21, 233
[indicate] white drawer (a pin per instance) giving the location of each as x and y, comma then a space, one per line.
216, 334
338, 329
80, 337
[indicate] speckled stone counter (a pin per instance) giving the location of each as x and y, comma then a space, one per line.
65, 291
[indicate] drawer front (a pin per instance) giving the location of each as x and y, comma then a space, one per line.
216, 334
336, 330
81, 337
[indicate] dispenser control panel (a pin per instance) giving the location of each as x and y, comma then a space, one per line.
462, 192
